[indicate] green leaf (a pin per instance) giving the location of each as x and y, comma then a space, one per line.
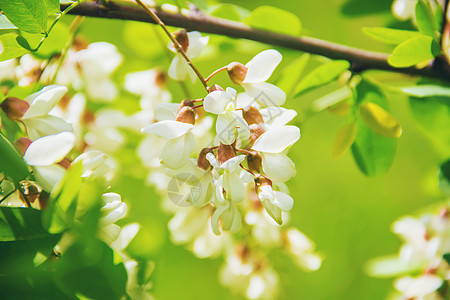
5, 23
380, 121
372, 152
274, 19
433, 115
322, 75
27, 15
332, 98
90, 269
389, 35
9, 47
18, 223
60, 212
446, 256
425, 19
444, 177
11, 162
414, 51
55, 41
290, 74
139, 36
52, 6
229, 11
344, 139
427, 90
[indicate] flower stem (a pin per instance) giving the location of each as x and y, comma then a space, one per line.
174, 41
215, 72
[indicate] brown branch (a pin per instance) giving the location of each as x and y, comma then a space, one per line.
360, 59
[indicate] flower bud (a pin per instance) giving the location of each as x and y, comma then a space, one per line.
237, 72
262, 181
225, 152
186, 115
254, 162
215, 87
186, 102
252, 116
202, 162
22, 145
14, 108
255, 132
182, 38
160, 79
65, 163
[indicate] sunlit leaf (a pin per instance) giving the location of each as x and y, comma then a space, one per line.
380, 120
290, 74
229, 11
332, 98
344, 139
322, 75
52, 6
9, 47
389, 35
29, 16
11, 162
427, 90
414, 51
274, 19
425, 19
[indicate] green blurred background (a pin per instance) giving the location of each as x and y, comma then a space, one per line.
347, 214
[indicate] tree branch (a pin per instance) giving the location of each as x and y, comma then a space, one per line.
360, 59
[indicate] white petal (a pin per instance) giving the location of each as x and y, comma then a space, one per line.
234, 187
418, 287
216, 102
242, 127
215, 218
168, 129
232, 163
225, 129
126, 235
115, 215
141, 83
231, 219
49, 176
262, 66
166, 111
99, 60
44, 100
102, 90
244, 100
177, 151
283, 201
265, 94
231, 91
277, 116
277, 139
180, 70
46, 125
278, 167
50, 149
196, 43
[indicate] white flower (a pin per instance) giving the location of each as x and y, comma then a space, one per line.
275, 202
96, 164
37, 119
179, 68
112, 211
144, 84
301, 248
259, 69
180, 142
230, 122
7, 68
418, 287
271, 145
43, 155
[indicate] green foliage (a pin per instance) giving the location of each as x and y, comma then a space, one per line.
332, 98
444, 177
428, 90
322, 75
91, 269
290, 75
229, 11
389, 266
11, 163
10, 46
29, 16
372, 152
425, 19
5, 23
18, 224
274, 19
414, 51
389, 35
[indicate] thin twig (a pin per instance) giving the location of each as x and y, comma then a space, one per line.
215, 72
174, 41
360, 59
